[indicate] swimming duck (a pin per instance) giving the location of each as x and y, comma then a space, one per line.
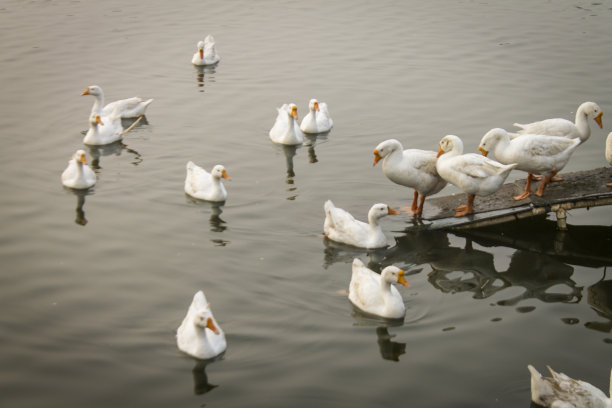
562, 127
609, 152
285, 129
373, 293
317, 120
199, 335
341, 226
78, 174
207, 52
124, 108
204, 185
535, 154
412, 168
472, 173
561, 391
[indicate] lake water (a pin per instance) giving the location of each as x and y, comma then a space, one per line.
93, 286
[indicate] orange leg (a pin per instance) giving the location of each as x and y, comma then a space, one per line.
413, 207
545, 182
466, 209
527, 191
608, 184
419, 210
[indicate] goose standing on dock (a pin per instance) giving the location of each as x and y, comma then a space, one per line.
341, 226
412, 168
286, 129
535, 154
206, 186
472, 173
609, 152
124, 108
562, 127
207, 52
199, 335
317, 120
78, 174
374, 293
561, 391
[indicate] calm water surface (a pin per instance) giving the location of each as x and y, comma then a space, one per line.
93, 286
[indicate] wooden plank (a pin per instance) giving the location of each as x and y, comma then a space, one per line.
581, 189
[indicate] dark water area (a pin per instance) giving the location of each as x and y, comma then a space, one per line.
94, 284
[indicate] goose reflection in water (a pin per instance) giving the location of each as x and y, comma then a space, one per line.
114, 149
217, 224
389, 350
80, 212
205, 74
311, 141
200, 378
600, 299
338, 252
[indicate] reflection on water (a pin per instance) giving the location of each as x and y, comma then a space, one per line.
217, 224
80, 213
389, 350
204, 74
338, 252
200, 378
290, 152
311, 141
600, 299
114, 149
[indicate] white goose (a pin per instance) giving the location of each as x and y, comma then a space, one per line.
285, 129
103, 129
562, 127
561, 391
472, 173
609, 152
199, 335
373, 293
204, 185
317, 120
124, 108
412, 168
207, 52
535, 154
341, 226
78, 174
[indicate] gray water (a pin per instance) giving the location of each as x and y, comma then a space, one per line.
93, 286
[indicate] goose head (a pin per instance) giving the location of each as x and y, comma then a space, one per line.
393, 274
378, 211
94, 90
592, 110
202, 319
201, 49
490, 140
385, 148
450, 143
219, 172
292, 111
79, 157
313, 105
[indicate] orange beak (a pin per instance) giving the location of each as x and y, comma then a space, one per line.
598, 120
401, 279
225, 175
376, 157
440, 151
83, 159
85, 92
483, 151
392, 211
294, 112
316, 106
99, 120
210, 325
201, 54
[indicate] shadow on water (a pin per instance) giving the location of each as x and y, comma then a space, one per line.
80, 212
217, 224
204, 74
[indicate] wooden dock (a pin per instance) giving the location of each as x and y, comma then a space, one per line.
583, 189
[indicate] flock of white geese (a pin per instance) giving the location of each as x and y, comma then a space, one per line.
541, 149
